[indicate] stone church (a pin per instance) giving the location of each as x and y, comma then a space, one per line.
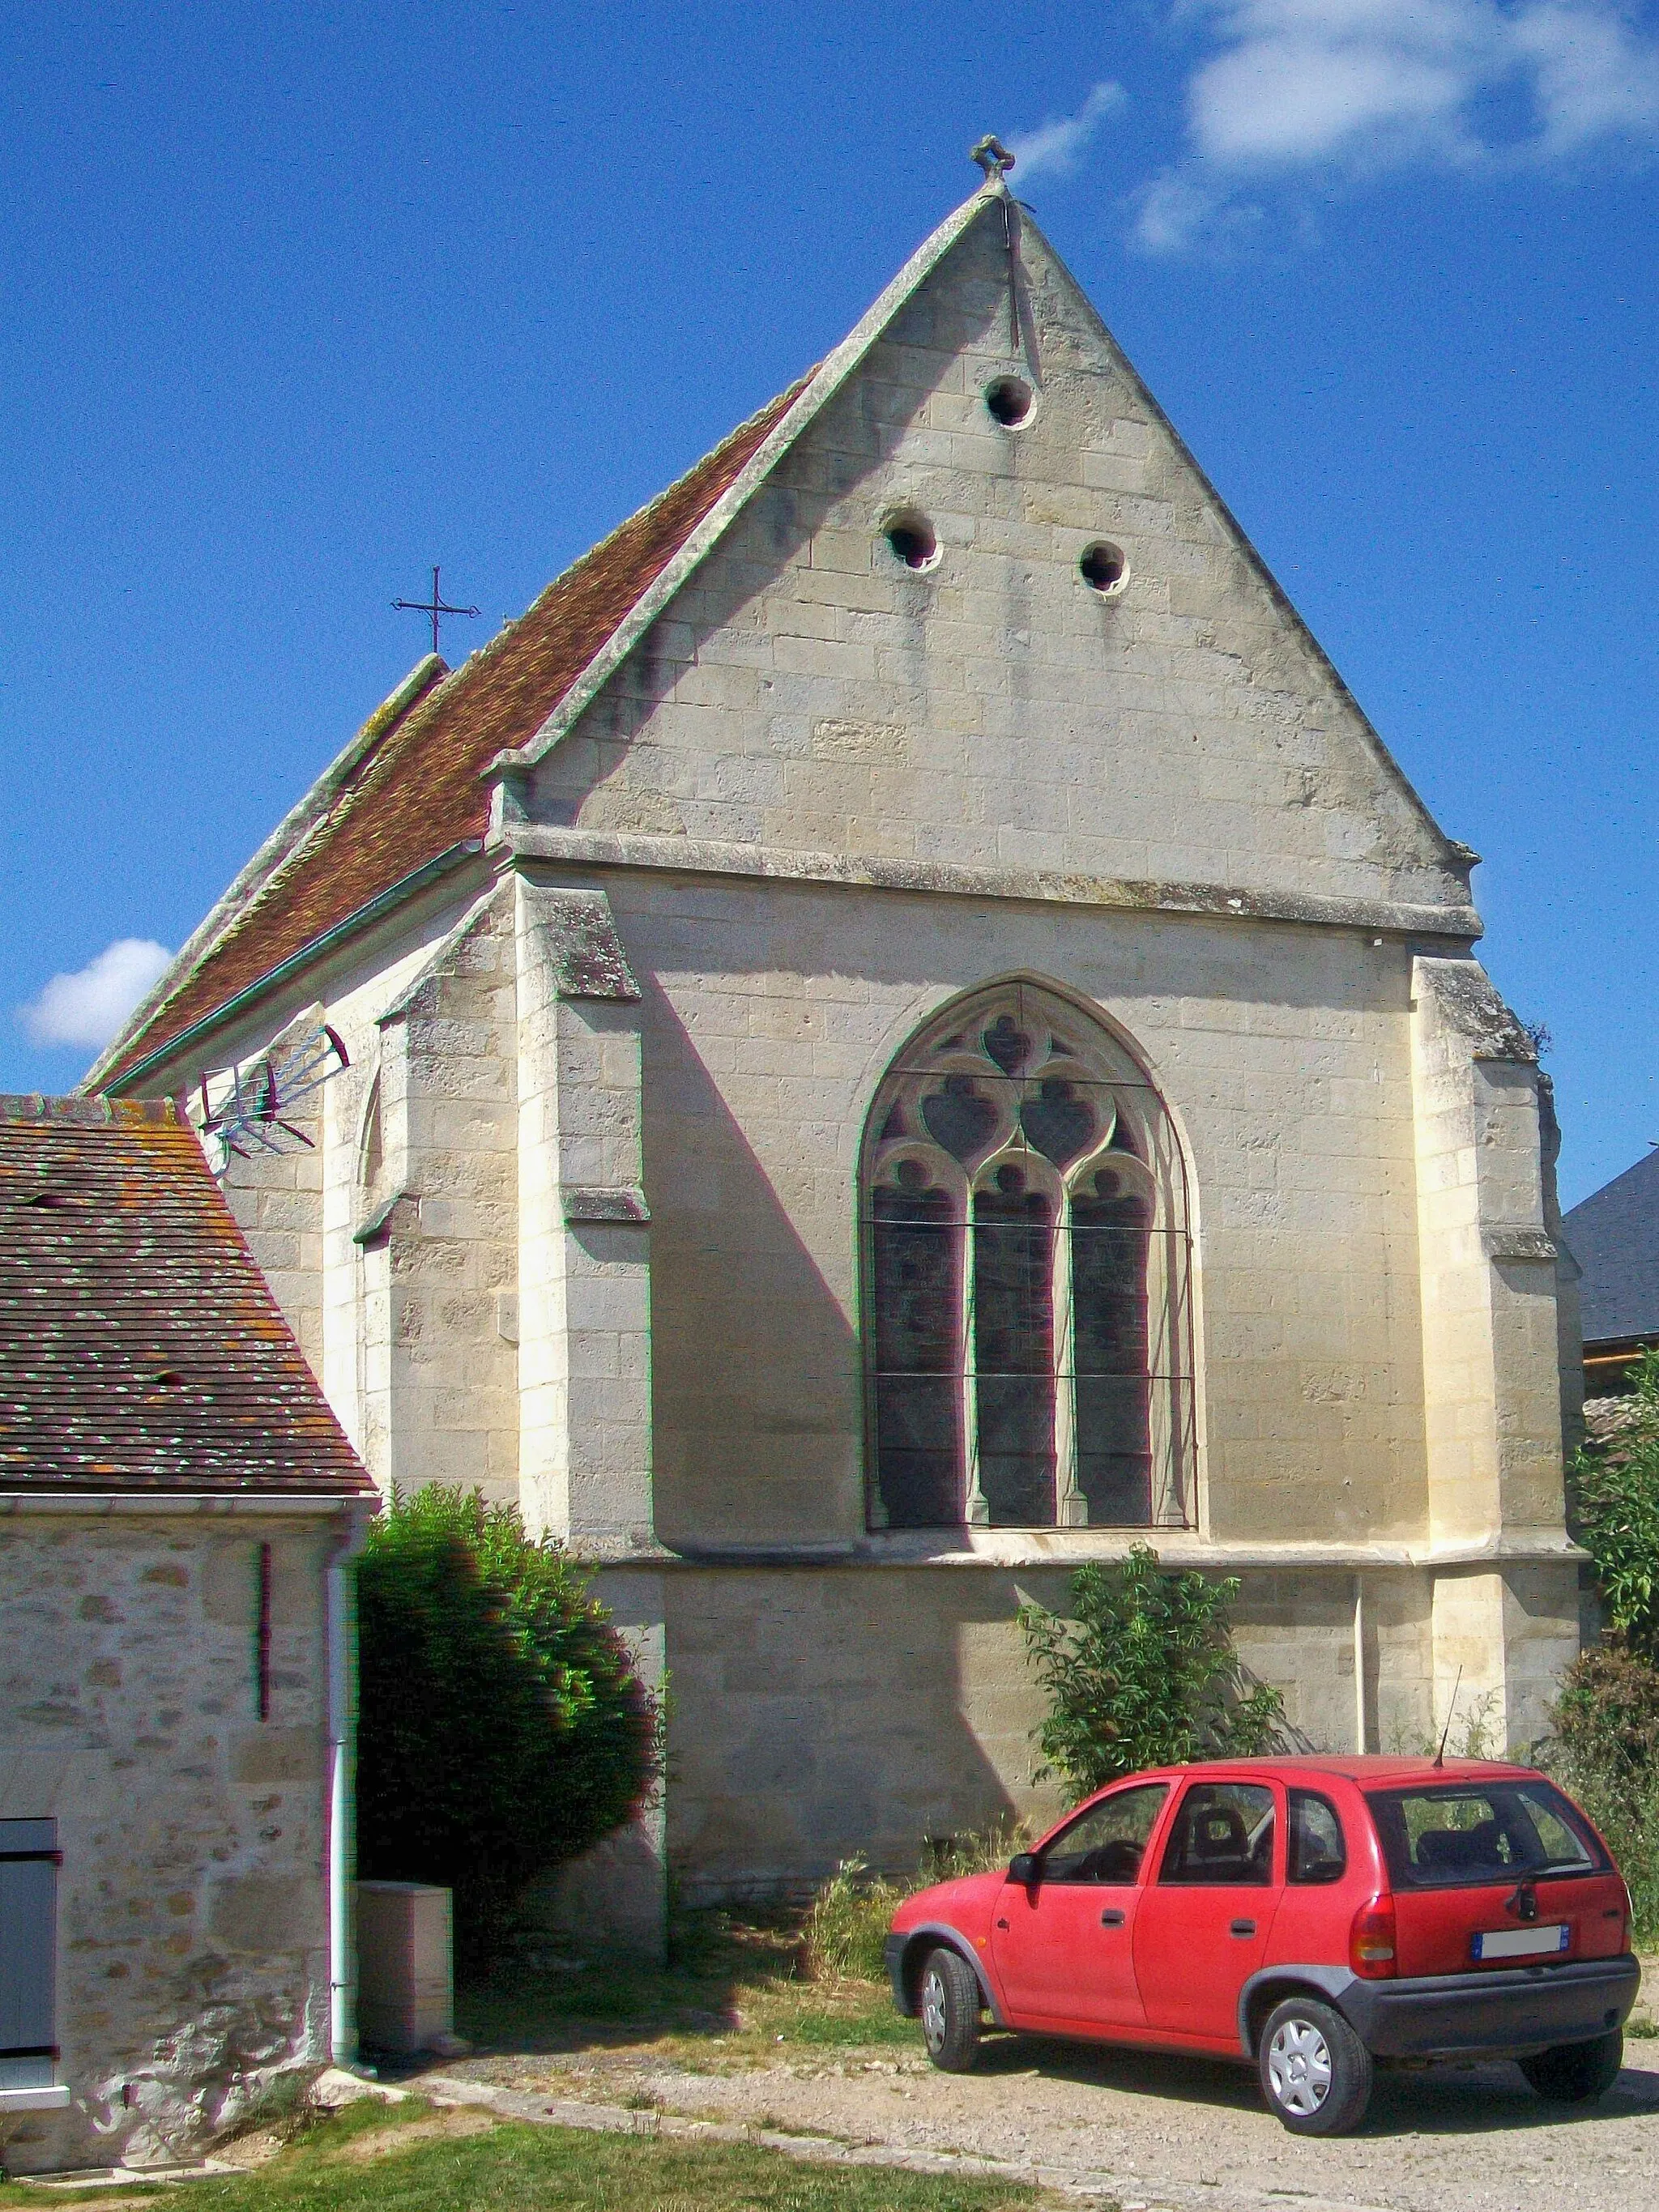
904, 1032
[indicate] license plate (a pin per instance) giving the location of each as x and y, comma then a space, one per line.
1522, 1942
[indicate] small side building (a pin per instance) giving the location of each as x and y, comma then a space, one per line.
176, 1501
1613, 1235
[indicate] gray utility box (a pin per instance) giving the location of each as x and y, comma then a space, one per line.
405, 1968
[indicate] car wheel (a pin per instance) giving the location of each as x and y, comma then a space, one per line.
950, 2011
1316, 2072
1577, 2073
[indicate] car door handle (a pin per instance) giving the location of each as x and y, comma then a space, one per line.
1002, 1923
1111, 1918
1243, 1928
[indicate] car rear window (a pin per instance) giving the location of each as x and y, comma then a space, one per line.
1462, 1832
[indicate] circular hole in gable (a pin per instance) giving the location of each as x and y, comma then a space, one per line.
913, 539
1009, 400
1104, 569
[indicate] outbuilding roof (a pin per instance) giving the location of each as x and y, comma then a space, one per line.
140, 1349
1613, 1235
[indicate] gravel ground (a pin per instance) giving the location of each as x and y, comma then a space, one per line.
1147, 2130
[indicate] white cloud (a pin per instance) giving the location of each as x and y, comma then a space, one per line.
88, 1007
1346, 87
1058, 145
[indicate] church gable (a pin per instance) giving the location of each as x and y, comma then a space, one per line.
1086, 672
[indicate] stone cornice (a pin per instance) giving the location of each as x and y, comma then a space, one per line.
696, 856
1074, 1547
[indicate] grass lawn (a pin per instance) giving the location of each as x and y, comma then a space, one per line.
731, 1992
410, 2158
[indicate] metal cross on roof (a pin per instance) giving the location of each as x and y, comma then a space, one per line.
435, 606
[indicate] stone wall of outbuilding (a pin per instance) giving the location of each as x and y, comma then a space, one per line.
192, 1963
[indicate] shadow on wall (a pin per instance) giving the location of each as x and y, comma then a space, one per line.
755, 1379
821, 1712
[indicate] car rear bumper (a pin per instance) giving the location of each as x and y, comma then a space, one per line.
1507, 2011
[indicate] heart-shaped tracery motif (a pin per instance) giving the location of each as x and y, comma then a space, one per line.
1060, 1124
1026, 1263
958, 1118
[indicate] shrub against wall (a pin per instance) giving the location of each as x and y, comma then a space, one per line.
1613, 1491
502, 1728
1605, 1745
1144, 1673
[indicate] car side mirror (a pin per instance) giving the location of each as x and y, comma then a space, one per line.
1023, 1869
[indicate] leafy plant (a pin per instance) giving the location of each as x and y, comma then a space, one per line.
1606, 1751
846, 1923
503, 1727
1614, 1495
1143, 1674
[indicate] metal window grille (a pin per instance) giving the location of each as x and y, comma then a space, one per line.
29, 1859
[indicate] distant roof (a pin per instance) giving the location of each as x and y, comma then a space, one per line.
414, 791
140, 1349
1614, 1236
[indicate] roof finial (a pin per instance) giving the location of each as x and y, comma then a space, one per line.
994, 158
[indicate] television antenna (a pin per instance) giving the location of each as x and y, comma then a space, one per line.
257, 1098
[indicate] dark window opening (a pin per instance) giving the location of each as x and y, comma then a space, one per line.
1008, 400
1103, 568
1025, 1281
913, 540
1014, 1349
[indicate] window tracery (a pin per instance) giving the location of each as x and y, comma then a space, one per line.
1026, 1277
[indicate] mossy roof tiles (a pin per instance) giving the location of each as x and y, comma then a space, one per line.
140, 1349
416, 792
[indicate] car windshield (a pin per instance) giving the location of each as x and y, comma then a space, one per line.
1453, 1832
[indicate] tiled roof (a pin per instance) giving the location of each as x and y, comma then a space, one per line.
417, 792
140, 1349
1613, 1235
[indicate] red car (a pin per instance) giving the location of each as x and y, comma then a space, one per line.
1308, 1916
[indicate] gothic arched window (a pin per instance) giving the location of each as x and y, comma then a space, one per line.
1025, 1275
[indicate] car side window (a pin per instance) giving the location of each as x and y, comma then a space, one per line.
1318, 1851
1221, 1835
1107, 1843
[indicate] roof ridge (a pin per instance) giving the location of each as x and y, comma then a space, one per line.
430, 762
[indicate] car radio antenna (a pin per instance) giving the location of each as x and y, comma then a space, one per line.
1440, 1755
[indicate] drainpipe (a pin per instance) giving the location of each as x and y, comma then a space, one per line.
1360, 1744
342, 1747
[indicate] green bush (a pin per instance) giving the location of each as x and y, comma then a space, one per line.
1606, 1751
502, 1728
1143, 1674
1613, 1493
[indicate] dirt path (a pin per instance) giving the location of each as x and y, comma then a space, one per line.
1147, 2130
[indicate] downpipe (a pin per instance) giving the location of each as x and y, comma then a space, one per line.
342, 1758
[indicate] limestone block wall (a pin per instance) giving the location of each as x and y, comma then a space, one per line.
437, 1231
822, 1712
192, 1934
771, 1013
807, 691
277, 1202
583, 1246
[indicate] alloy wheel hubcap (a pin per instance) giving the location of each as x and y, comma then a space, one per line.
932, 2011
1299, 2067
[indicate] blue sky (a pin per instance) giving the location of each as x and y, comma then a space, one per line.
298, 300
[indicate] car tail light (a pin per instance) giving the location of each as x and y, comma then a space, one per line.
1371, 1940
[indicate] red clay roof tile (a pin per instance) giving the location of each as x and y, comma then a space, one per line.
418, 792
140, 1349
